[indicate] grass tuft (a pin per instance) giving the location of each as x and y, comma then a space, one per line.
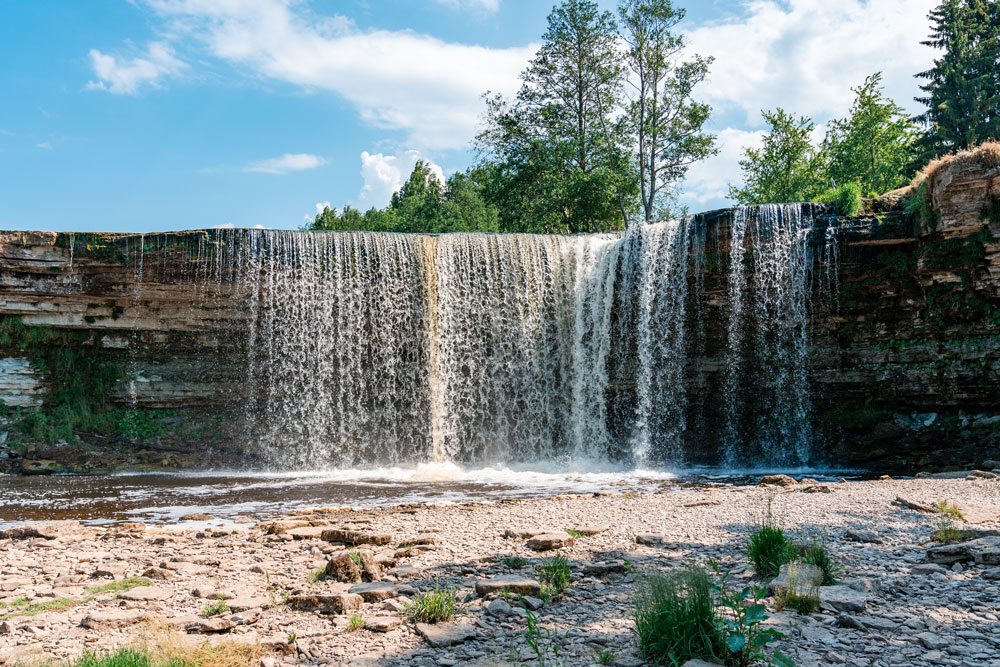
220, 606
433, 606
675, 618
355, 623
948, 508
514, 562
118, 586
804, 602
555, 572
816, 554
576, 534
768, 549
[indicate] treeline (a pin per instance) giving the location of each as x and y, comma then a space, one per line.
607, 122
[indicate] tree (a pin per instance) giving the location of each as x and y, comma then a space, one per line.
962, 89
787, 168
554, 166
665, 122
873, 147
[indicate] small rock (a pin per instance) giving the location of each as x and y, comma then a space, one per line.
590, 531
533, 603
650, 539
522, 533
982, 474
383, 623
197, 517
928, 568
354, 537
865, 536
550, 541
498, 607
370, 569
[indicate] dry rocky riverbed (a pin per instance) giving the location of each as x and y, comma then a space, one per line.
895, 607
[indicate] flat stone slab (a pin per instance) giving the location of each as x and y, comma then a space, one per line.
210, 625
440, 635
510, 582
113, 619
354, 537
306, 532
523, 533
842, 598
406, 572
984, 550
551, 541
604, 568
649, 539
146, 594
375, 591
590, 531
865, 536
383, 623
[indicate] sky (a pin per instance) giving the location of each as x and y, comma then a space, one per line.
156, 115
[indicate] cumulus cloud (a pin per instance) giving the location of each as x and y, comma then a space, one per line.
805, 55
320, 206
286, 163
385, 174
397, 80
125, 76
709, 179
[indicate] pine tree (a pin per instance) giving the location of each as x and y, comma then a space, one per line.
963, 88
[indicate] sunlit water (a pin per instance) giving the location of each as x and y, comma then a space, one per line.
163, 498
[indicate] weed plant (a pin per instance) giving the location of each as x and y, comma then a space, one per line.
555, 572
434, 606
675, 618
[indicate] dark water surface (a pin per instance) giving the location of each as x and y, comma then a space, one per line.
160, 498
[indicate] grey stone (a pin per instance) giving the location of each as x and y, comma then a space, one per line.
865, 536
533, 603
841, 598
931, 641
383, 623
650, 539
984, 550
498, 607
112, 619
441, 635
211, 625
928, 568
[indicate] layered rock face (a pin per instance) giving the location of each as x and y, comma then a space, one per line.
137, 345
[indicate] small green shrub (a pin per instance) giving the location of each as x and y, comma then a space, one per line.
356, 557
768, 549
675, 618
948, 508
919, 206
555, 572
745, 639
577, 534
514, 562
816, 554
355, 623
545, 645
606, 656
316, 575
220, 606
433, 606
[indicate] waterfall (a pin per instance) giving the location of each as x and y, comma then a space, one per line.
389, 349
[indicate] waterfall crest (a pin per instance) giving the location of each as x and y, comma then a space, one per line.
387, 349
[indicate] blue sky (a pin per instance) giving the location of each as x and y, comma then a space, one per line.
149, 115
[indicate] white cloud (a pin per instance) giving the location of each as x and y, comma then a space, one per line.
398, 80
481, 5
320, 206
286, 163
229, 225
805, 55
385, 174
710, 179
119, 75
45, 146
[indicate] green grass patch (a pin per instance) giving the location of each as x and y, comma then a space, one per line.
220, 606
768, 549
355, 623
816, 554
117, 586
576, 534
514, 562
316, 575
555, 572
125, 657
434, 606
35, 608
675, 618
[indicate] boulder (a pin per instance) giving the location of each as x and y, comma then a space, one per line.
509, 582
334, 603
778, 480
551, 541
341, 567
800, 577
441, 635
842, 598
375, 592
